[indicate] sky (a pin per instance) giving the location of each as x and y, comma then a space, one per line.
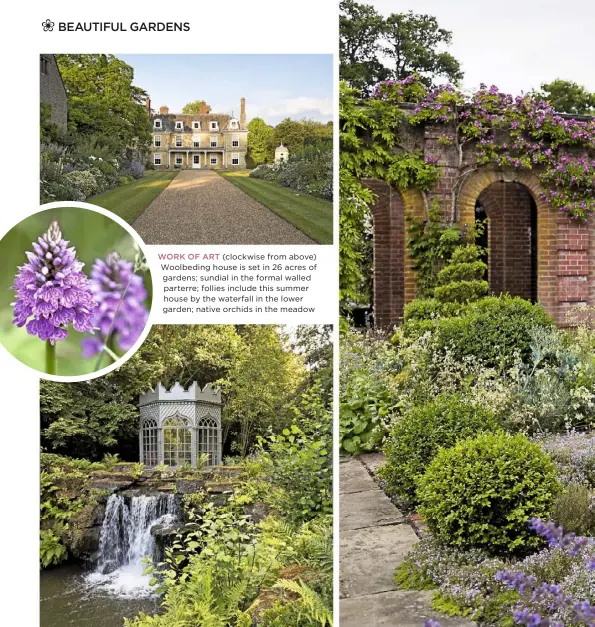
514, 44
275, 86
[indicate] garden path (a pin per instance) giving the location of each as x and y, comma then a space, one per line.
201, 207
375, 537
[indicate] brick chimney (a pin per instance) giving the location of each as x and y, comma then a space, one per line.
148, 104
243, 113
163, 110
203, 108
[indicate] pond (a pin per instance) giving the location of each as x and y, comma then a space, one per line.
70, 595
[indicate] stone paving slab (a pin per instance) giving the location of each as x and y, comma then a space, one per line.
369, 558
402, 608
355, 478
373, 461
202, 208
358, 510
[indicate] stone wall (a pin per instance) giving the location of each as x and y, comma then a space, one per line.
52, 90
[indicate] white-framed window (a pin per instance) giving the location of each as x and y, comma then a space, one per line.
235, 158
196, 143
157, 124
178, 141
214, 125
179, 125
213, 141
157, 141
233, 124
157, 158
179, 160
235, 141
213, 160
196, 124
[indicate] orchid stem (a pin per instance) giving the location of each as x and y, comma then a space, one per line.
50, 357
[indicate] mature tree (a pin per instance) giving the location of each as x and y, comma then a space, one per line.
195, 107
102, 101
568, 97
360, 32
315, 343
259, 374
291, 134
373, 48
314, 131
261, 140
412, 45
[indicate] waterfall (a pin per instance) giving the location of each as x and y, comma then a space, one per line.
125, 540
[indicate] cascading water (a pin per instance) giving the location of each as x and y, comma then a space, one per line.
126, 540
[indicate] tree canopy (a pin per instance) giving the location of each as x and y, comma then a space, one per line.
260, 141
102, 100
568, 97
260, 373
373, 48
195, 107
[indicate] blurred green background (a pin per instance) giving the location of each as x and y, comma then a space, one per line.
94, 236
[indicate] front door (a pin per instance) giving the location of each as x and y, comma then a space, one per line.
196, 161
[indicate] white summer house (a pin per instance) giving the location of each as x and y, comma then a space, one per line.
177, 426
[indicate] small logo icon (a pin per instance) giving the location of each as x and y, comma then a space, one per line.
48, 25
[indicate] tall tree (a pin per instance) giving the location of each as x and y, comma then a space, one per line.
195, 107
260, 142
291, 134
413, 44
568, 97
102, 101
360, 31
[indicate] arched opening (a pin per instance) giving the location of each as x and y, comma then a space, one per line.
508, 213
149, 443
177, 441
208, 439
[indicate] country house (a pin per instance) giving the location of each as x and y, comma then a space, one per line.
204, 140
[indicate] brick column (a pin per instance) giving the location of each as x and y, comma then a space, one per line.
389, 254
574, 269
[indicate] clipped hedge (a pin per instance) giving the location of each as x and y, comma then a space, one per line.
483, 491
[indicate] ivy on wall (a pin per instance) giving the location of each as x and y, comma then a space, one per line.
522, 133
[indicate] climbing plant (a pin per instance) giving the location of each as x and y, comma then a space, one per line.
522, 134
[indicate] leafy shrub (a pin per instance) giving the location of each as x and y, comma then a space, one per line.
51, 549
495, 329
135, 169
574, 510
423, 431
84, 181
483, 491
366, 401
461, 280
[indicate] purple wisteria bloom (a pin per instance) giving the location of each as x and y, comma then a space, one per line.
122, 313
52, 291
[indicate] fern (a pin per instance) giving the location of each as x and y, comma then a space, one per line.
310, 602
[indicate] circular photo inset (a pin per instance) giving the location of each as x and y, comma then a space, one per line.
75, 291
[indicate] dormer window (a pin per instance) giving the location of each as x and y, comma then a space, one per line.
196, 125
233, 124
179, 125
157, 124
214, 125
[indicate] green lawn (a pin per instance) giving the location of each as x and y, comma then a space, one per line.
311, 215
130, 200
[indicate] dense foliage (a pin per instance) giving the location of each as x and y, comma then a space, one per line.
482, 491
229, 570
414, 442
308, 171
108, 130
259, 373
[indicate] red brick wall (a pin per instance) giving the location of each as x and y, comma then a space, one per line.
389, 254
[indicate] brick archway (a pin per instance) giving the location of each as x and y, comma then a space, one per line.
547, 226
394, 278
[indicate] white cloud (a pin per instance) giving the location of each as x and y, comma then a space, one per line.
295, 108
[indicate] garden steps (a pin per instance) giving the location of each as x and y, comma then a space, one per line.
375, 537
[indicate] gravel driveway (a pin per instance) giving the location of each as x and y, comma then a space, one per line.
201, 207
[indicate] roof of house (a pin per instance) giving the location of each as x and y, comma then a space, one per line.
168, 121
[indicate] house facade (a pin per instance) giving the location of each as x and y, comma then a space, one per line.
211, 141
52, 91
